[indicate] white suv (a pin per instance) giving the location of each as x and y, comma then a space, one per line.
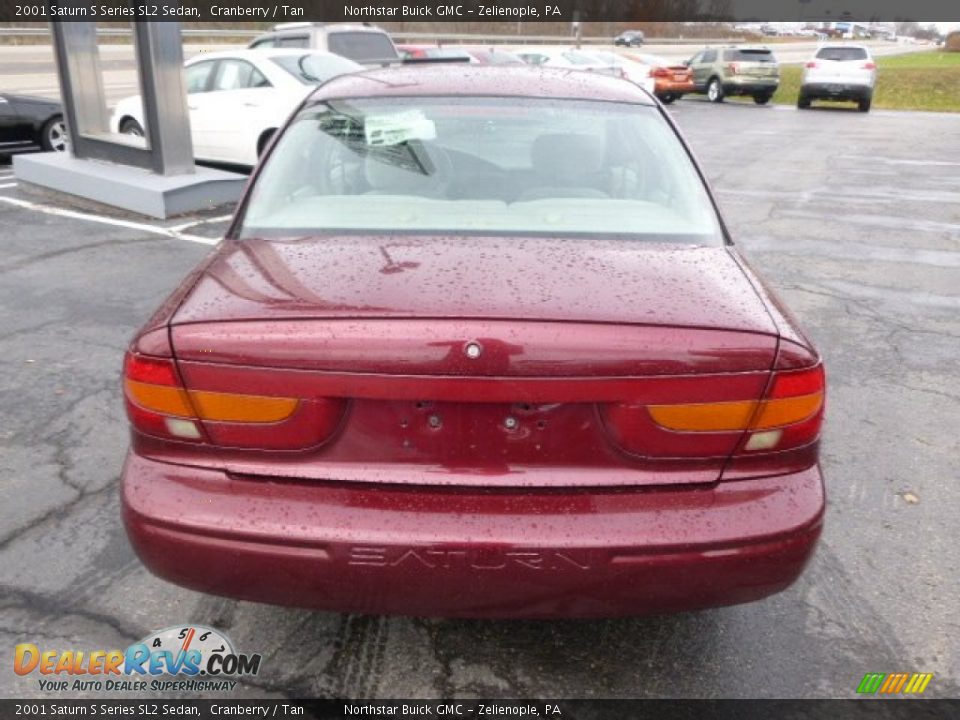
839, 72
364, 44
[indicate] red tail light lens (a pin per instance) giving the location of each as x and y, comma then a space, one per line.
811, 64
792, 413
659, 72
789, 415
870, 66
158, 404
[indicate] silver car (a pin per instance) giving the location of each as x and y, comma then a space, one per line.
839, 72
364, 44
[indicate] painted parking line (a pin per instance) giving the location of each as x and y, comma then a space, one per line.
143, 227
205, 221
7, 185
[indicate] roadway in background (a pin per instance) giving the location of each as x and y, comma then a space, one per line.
30, 69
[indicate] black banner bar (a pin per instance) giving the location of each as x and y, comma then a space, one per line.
276, 11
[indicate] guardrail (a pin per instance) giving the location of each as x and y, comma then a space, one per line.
126, 32
441, 38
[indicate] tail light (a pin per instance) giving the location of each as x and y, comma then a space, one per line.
158, 404
789, 415
659, 72
870, 66
734, 68
811, 64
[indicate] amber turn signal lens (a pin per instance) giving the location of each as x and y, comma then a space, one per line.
736, 416
159, 398
229, 407
704, 417
214, 406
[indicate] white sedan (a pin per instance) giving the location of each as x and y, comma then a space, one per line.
238, 99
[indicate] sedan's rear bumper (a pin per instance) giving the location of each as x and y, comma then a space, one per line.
667, 86
433, 551
836, 90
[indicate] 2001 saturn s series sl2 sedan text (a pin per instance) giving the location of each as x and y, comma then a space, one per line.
476, 344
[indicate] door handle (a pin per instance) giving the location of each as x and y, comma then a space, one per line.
251, 104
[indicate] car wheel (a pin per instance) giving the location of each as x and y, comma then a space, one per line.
715, 91
762, 98
803, 102
54, 137
864, 105
131, 127
264, 141
667, 99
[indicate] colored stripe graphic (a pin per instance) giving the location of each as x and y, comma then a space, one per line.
870, 683
894, 683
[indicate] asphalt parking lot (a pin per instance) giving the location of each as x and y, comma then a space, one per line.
853, 218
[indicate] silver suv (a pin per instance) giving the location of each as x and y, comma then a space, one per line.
839, 72
364, 44
719, 72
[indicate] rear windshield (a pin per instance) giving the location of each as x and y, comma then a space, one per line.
362, 46
481, 166
762, 56
312, 69
842, 53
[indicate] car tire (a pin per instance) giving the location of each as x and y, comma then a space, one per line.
803, 102
864, 104
715, 90
264, 141
54, 136
762, 98
667, 99
129, 126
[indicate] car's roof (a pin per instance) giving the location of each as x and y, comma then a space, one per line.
466, 80
255, 53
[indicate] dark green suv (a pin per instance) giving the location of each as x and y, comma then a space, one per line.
719, 72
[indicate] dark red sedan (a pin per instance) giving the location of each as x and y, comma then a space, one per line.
477, 343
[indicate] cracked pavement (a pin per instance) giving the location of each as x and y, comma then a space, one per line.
854, 219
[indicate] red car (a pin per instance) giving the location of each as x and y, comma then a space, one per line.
478, 344
433, 52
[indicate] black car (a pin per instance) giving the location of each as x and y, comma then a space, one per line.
630, 38
27, 121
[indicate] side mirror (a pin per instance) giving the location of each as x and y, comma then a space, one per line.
686, 63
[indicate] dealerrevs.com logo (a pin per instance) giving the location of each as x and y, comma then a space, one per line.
186, 657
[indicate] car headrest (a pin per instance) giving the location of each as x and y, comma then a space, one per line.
566, 156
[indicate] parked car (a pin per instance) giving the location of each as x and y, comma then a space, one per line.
719, 72
630, 66
28, 122
365, 44
237, 99
569, 58
630, 38
839, 72
671, 80
434, 52
476, 343
492, 56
